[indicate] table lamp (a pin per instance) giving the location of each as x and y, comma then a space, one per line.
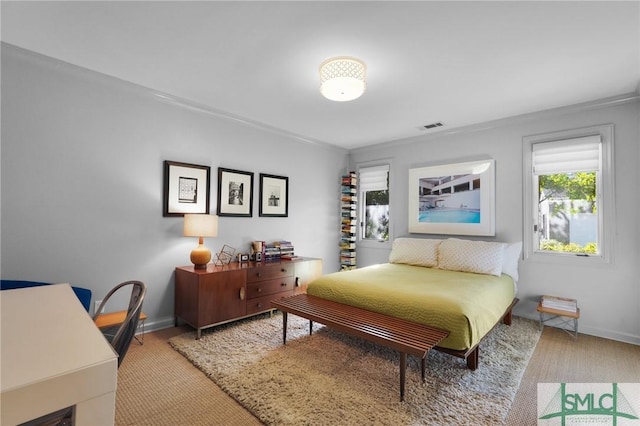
200, 225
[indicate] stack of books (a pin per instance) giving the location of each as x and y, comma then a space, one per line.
560, 303
271, 252
286, 249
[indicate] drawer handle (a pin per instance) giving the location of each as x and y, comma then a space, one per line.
259, 289
258, 274
242, 293
283, 284
259, 305
283, 270
297, 282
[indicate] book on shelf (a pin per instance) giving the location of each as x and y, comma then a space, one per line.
560, 303
347, 260
348, 180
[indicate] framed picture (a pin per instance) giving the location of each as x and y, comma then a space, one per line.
274, 195
235, 193
186, 189
454, 199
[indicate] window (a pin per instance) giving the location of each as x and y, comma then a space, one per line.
569, 193
373, 187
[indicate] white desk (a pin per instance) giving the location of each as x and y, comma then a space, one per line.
53, 356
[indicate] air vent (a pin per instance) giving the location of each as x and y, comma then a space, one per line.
431, 126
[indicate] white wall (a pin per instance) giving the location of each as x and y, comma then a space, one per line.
82, 180
609, 296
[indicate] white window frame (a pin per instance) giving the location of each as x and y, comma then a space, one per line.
367, 242
605, 197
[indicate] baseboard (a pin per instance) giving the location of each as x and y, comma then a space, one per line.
599, 332
161, 324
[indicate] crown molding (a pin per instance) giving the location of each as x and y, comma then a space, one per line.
510, 121
86, 73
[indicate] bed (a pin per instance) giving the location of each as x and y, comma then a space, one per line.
462, 286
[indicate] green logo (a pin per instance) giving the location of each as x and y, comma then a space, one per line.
588, 403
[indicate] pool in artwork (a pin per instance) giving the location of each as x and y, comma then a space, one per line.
450, 216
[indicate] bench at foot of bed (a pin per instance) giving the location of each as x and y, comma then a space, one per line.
406, 337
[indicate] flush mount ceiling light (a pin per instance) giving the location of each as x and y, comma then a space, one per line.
343, 78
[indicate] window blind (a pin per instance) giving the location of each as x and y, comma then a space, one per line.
373, 178
567, 156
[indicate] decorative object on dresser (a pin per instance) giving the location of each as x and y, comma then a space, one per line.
257, 250
235, 193
274, 195
348, 204
225, 256
219, 294
200, 225
186, 189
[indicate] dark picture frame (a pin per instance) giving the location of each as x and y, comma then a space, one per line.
453, 199
235, 193
274, 195
186, 188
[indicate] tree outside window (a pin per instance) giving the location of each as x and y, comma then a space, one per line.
377, 215
567, 210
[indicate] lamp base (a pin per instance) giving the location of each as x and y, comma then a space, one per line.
200, 257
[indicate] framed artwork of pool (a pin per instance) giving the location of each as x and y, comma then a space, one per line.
453, 199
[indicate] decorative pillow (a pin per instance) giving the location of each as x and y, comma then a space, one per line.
481, 257
510, 259
415, 251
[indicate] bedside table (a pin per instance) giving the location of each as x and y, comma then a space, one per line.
565, 318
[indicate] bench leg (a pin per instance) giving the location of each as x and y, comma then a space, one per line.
423, 367
284, 327
310, 327
403, 371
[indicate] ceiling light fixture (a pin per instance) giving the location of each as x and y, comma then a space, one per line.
343, 78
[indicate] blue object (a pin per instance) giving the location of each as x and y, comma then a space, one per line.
84, 294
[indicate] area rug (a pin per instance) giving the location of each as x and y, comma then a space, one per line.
330, 378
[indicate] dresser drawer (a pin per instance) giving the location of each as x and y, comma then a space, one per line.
263, 303
269, 272
266, 287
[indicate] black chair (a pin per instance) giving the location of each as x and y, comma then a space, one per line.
120, 337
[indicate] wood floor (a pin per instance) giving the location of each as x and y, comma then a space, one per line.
157, 386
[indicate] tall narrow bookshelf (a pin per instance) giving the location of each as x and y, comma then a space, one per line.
348, 216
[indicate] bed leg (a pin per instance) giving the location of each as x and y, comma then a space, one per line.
507, 318
473, 358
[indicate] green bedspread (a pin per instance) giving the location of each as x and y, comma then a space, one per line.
467, 305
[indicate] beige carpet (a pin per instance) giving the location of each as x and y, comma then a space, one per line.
331, 378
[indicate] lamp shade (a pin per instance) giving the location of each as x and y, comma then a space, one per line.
343, 78
200, 225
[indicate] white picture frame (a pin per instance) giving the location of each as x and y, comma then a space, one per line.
453, 199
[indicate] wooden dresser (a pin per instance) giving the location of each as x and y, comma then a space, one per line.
219, 294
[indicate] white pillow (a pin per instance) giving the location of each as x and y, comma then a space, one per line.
510, 259
415, 251
481, 257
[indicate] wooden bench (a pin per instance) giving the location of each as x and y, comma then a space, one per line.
404, 336
116, 318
